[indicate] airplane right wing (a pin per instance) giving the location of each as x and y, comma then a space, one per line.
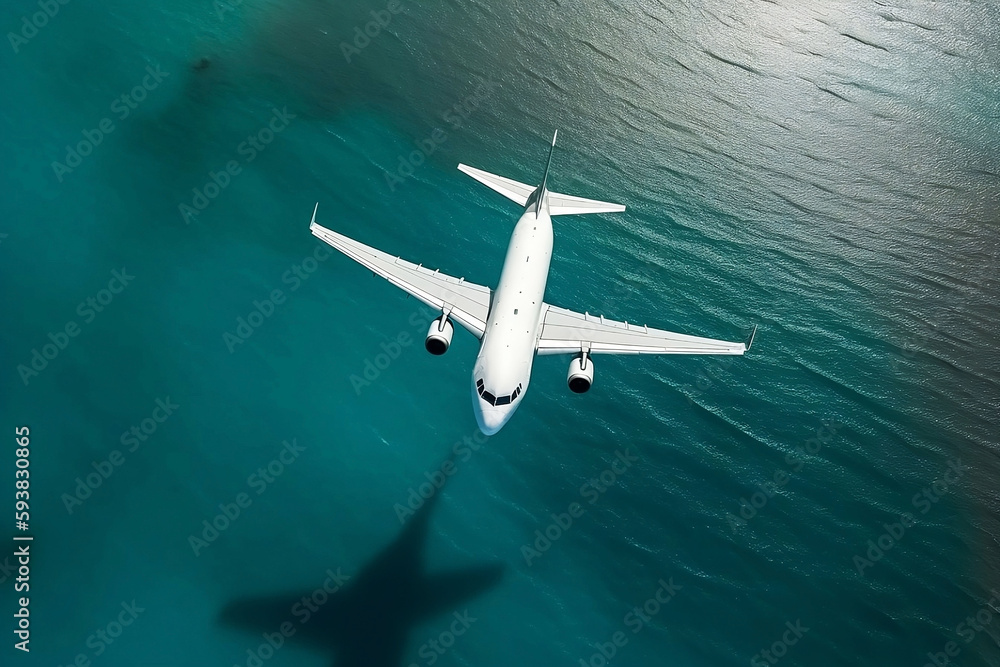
567, 332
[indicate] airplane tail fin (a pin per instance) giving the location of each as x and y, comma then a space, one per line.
522, 193
548, 163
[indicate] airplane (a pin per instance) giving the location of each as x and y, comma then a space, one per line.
513, 321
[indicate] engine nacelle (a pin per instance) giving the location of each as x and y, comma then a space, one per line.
439, 335
581, 374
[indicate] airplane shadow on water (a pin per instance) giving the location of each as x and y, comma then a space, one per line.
368, 621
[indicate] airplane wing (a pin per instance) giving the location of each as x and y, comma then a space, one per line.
566, 332
467, 303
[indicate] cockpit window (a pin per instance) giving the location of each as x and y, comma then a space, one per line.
496, 400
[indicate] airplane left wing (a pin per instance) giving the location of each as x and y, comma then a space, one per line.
567, 332
466, 303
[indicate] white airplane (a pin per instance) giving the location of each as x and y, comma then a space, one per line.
512, 321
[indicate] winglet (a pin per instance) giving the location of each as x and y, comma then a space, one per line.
750, 339
313, 222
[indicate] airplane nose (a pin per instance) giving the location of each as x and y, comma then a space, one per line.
490, 419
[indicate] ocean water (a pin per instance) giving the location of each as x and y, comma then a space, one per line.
828, 171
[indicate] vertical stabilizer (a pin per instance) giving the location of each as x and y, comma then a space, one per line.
545, 176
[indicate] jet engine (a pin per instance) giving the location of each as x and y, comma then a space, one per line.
581, 374
439, 335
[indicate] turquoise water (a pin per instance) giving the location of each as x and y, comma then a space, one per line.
828, 171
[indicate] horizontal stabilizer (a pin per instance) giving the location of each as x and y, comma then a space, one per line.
511, 189
570, 205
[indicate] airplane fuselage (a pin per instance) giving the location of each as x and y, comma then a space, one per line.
503, 368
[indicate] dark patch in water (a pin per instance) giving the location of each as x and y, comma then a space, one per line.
865, 42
